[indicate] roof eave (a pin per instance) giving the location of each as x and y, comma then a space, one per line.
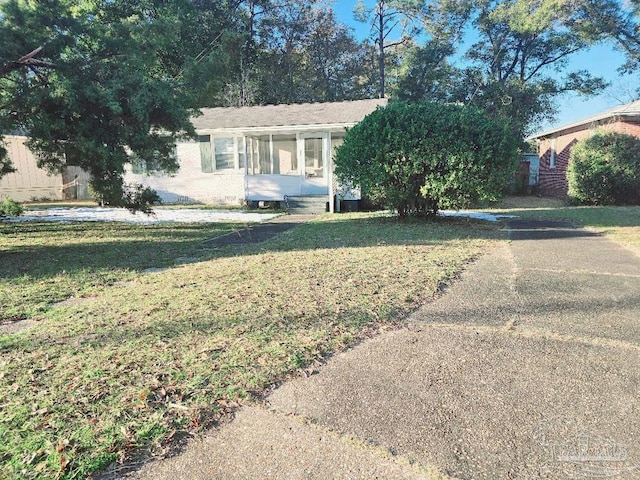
597, 119
276, 129
572, 126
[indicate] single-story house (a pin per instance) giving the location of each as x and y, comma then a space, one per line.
269, 153
30, 182
554, 146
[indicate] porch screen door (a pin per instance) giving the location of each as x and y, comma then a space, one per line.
314, 149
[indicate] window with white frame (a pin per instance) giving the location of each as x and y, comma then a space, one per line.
272, 155
285, 154
552, 158
225, 153
313, 157
221, 153
242, 152
259, 151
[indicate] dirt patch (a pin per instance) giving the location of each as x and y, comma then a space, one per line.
16, 326
155, 269
73, 301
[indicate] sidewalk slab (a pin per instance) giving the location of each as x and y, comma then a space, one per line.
560, 246
260, 444
476, 403
483, 295
592, 306
533, 352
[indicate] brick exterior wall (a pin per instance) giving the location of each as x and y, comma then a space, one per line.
553, 181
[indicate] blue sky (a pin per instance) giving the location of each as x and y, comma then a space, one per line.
601, 60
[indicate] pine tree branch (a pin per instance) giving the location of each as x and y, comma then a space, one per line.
28, 61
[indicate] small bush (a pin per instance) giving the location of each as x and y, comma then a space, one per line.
605, 170
9, 208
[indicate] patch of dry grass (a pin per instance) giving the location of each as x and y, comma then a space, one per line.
48, 262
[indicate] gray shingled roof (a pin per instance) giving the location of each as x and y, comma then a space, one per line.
629, 110
342, 113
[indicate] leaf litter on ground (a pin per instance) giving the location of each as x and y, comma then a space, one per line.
172, 353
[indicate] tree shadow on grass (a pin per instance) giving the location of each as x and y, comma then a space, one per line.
46, 249
54, 249
588, 216
532, 229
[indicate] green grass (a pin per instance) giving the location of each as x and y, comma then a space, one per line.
147, 358
622, 224
47, 262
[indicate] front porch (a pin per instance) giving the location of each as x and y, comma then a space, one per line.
277, 166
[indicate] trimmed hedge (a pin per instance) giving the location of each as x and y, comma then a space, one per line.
422, 157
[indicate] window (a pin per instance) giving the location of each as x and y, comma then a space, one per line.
313, 157
259, 149
224, 149
221, 154
552, 158
242, 152
206, 154
285, 155
140, 166
264, 154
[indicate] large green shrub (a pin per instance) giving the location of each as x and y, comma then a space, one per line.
418, 158
604, 169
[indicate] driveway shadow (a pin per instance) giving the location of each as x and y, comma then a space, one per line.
530, 229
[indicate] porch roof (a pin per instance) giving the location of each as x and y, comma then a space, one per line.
335, 113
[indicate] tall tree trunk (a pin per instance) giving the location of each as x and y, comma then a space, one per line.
246, 60
381, 47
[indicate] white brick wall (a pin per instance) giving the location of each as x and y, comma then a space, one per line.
190, 185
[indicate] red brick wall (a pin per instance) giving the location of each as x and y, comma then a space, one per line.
553, 181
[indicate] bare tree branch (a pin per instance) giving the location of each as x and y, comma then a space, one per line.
28, 61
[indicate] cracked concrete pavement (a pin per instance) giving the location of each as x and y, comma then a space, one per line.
527, 367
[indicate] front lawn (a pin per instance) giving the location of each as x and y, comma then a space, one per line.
136, 360
47, 262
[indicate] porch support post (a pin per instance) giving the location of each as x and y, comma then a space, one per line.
332, 194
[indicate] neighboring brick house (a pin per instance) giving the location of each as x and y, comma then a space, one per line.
554, 146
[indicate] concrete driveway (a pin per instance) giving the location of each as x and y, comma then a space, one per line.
528, 367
